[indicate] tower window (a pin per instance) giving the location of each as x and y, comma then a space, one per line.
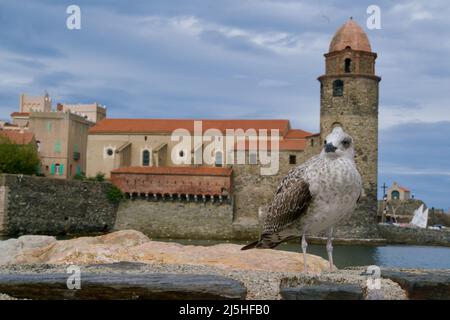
348, 65
292, 159
338, 88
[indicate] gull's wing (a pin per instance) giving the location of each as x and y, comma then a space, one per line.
290, 202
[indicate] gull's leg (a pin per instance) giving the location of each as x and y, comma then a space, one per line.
330, 248
304, 246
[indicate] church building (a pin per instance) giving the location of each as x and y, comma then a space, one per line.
140, 157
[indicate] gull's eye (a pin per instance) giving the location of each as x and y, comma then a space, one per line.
346, 143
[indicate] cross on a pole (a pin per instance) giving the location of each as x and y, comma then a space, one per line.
384, 187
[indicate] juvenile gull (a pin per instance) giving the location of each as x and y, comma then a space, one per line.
314, 196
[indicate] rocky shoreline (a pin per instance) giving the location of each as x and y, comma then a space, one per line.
128, 265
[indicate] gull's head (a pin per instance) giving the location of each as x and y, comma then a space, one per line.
338, 144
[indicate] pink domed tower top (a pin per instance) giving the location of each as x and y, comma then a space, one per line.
350, 35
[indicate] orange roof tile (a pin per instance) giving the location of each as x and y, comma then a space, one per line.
292, 145
199, 171
350, 35
17, 137
297, 134
149, 126
20, 114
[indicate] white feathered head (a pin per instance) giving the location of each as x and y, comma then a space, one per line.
338, 144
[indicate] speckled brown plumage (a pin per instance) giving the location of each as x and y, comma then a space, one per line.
313, 196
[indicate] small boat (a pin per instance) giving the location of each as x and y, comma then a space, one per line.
420, 218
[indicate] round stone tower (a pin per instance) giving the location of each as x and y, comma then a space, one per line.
349, 98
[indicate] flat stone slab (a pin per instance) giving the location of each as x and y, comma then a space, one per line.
323, 291
422, 285
122, 286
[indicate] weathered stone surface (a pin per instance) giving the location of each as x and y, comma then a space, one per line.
421, 284
130, 245
101, 249
35, 241
8, 250
122, 286
40, 205
323, 291
3, 205
11, 248
356, 277
177, 219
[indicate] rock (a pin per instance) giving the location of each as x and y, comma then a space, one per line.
356, 277
121, 286
323, 291
421, 284
133, 246
32, 242
11, 248
8, 250
85, 250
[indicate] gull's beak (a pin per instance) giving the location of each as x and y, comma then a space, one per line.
329, 147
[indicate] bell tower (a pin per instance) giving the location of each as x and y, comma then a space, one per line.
349, 98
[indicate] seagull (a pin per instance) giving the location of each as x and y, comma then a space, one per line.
314, 197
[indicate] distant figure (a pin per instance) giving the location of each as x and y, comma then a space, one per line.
314, 196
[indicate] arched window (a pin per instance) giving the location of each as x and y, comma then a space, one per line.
338, 88
348, 65
395, 195
145, 158
219, 159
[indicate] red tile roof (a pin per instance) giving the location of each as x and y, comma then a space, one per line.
292, 145
17, 137
150, 126
297, 134
194, 171
20, 114
293, 139
350, 35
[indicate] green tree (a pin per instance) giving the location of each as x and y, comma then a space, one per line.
15, 158
114, 194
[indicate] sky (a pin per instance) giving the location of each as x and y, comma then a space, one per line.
244, 59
